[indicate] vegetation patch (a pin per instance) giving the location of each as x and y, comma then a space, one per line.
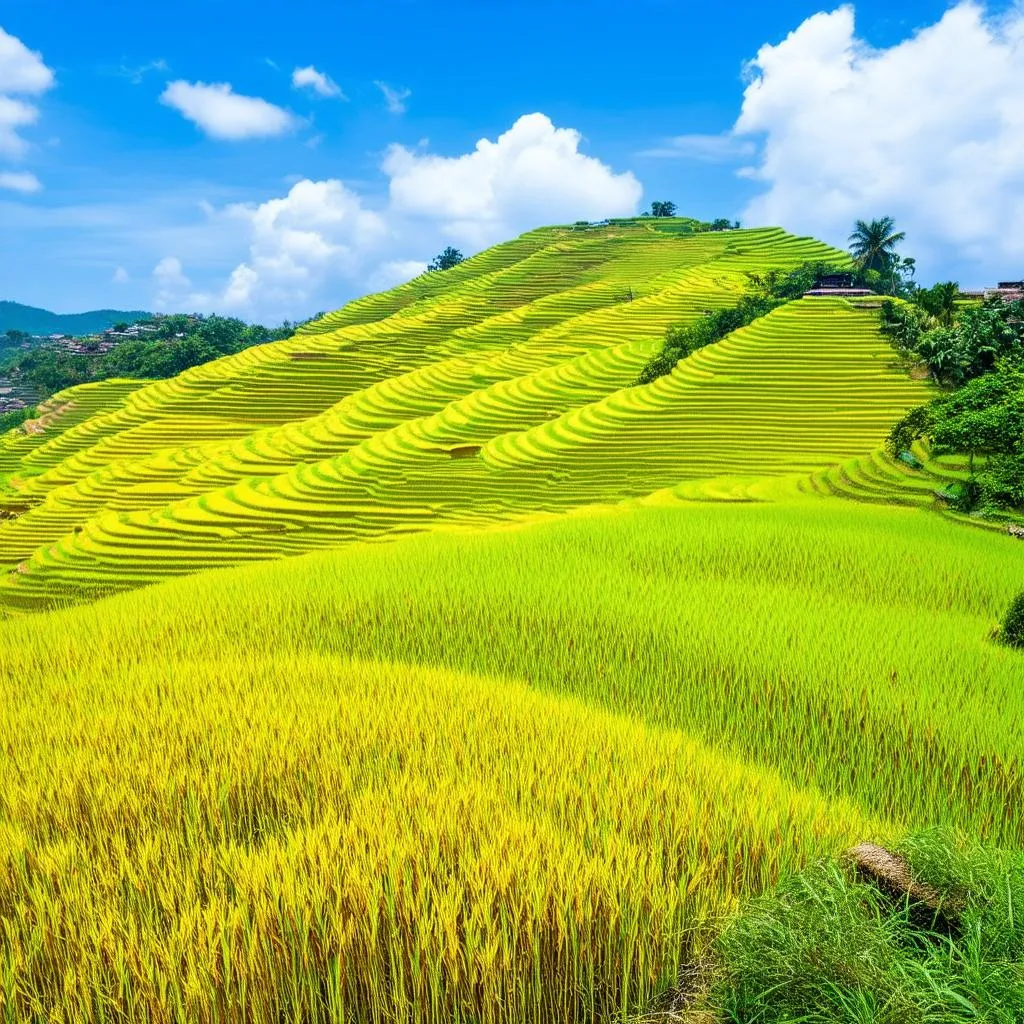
829, 946
1012, 633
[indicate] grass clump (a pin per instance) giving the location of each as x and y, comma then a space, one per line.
1012, 632
827, 946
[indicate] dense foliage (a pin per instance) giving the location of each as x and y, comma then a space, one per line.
826, 948
957, 344
15, 418
1012, 632
450, 257
984, 417
179, 342
873, 248
977, 348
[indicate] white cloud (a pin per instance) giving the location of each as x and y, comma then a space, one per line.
533, 174
321, 84
320, 230
395, 98
224, 114
706, 148
20, 181
22, 72
172, 286
929, 131
120, 276
322, 242
394, 272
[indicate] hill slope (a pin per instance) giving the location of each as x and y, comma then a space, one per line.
500, 389
16, 317
513, 777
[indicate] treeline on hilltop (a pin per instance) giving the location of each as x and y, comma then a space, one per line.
171, 344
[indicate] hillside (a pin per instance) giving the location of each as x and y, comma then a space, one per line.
629, 655
495, 391
511, 777
16, 317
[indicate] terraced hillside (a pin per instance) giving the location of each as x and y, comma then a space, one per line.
499, 390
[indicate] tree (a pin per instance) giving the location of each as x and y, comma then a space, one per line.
721, 224
873, 245
663, 209
984, 417
939, 301
447, 259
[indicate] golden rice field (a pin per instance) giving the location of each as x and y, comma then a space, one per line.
503, 776
520, 360
626, 657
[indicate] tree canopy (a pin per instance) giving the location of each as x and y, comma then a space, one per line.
984, 417
957, 344
447, 259
178, 342
873, 244
663, 208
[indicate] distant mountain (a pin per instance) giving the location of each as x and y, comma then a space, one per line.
16, 317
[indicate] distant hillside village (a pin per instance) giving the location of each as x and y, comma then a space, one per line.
15, 395
34, 366
102, 341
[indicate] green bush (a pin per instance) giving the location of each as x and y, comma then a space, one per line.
15, 418
826, 947
1012, 633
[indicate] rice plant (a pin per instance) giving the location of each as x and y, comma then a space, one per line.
516, 774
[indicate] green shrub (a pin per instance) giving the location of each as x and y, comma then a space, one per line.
825, 947
1013, 623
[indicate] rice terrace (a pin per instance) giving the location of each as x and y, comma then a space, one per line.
623, 623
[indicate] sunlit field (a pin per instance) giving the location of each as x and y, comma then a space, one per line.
424, 667
516, 775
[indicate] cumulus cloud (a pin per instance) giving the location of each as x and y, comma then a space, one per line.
222, 113
323, 242
321, 84
20, 181
319, 230
21, 70
120, 276
930, 131
532, 174
394, 272
706, 148
172, 286
22, 73
394, 98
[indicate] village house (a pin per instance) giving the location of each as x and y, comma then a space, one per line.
1008, 291
837, 284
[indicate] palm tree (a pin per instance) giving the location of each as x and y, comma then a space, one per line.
873, 245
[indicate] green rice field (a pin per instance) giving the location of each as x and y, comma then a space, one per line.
479, 684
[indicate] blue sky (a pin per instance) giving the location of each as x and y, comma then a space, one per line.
142, 181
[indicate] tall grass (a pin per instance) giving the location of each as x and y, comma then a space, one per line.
509, 776
827, 948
